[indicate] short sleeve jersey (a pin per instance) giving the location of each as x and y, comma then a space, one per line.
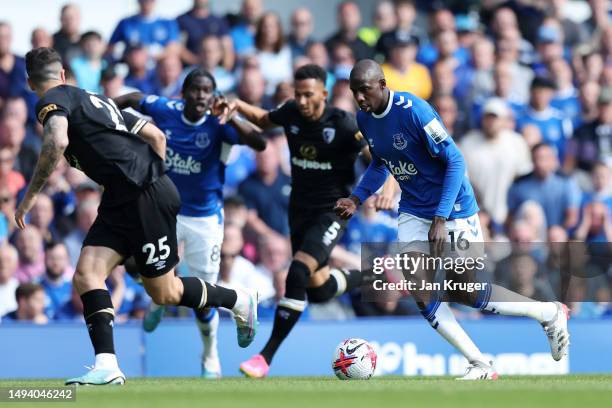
323, 154
103, 142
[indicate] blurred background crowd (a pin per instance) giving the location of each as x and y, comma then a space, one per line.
523, 86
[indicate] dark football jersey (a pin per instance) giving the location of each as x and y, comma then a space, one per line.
323, 154
103, 142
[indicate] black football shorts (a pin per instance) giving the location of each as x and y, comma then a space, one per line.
144, 228
315, 232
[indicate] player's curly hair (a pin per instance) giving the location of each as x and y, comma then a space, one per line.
195, 73
40, 64
310, 71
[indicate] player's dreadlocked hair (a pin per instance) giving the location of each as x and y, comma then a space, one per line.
310, 71
195, 73
43, 64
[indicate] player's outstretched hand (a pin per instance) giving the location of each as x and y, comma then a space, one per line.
223, 108
24, 207
346, 207
437, 236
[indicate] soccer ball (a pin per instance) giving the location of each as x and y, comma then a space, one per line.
354, 359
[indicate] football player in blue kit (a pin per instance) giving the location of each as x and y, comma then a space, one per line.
197, 146
407, 139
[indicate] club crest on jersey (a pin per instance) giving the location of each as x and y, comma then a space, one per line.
294, 130
202, 140
399, 142
329, 134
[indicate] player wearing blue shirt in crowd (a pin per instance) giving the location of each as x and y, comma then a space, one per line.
196, 149
407, 138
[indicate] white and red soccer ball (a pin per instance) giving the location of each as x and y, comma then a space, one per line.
354, 359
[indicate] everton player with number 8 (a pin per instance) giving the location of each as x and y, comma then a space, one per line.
324, 143
137, 215
197, 146
407, 139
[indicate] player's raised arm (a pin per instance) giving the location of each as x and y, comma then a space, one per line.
249, 134
373, 179
55, 141
131, 100
254, 114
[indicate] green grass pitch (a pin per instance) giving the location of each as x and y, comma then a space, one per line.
574, 391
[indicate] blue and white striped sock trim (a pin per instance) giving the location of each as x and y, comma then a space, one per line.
484, 296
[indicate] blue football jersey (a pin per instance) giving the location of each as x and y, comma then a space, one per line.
410, 141
195, 154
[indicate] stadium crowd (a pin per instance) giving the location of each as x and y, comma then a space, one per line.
524, 88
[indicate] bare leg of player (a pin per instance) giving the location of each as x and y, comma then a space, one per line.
94, 266
304, 279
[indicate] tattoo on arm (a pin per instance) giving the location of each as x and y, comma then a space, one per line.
55, 141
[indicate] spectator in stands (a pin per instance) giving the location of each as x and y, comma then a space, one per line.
275, 255
7, 209
159, 36
210, 57
9, 178
235, 270
86, 213
41, 216
446, 106
12, 137
243, 32
343, 60
266, 194
168, 80
384, 20
199, 22
12, 67
30, 305
317, 54
574, 33
135, 300
445, 45
596, 210
139, 75
481, 79
16, 109
301, 31
368, 225
251, 88
41, 38
549, 46
66, 39
523, 279
29, 244
88, 67
273, 54
491, 168
8, 282
403, 73
113, 84
508, 51
57, 279
349, 21
592, 142
554, 127
566, 99
405, 13
558, 195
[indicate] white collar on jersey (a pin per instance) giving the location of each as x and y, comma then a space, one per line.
382, 115
190, 123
